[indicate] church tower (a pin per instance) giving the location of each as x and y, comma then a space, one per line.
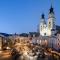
51, 22
42, 25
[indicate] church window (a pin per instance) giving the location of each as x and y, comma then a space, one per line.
58, 43
49, 24
44, 33
41, 28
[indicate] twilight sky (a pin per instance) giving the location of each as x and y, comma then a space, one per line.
24, 15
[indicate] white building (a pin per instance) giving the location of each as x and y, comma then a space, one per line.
49, 28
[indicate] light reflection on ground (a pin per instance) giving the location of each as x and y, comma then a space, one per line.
23, 48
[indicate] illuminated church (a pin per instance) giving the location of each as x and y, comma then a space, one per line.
49, 28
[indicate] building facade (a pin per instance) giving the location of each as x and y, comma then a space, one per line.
58, 42
49, 28
3, 42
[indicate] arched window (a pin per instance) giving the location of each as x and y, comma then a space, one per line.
41, 28
45, 34
49, 24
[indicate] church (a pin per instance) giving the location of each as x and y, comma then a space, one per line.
49, 28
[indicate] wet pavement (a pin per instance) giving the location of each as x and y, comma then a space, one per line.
16, 56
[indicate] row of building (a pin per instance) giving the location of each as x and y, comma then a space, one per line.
46, 41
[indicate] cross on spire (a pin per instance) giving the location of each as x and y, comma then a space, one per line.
52, 3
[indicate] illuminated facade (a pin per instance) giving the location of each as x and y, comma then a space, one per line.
3, 42
49, 28
58, 41
0, 43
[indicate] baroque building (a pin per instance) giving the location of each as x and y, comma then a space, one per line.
49, 28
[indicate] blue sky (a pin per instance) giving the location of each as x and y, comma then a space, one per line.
24, 15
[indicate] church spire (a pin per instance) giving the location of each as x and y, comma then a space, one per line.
51, 9
43, 18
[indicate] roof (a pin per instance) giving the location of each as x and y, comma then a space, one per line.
51, 10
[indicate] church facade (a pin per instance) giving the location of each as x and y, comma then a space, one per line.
49, 28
